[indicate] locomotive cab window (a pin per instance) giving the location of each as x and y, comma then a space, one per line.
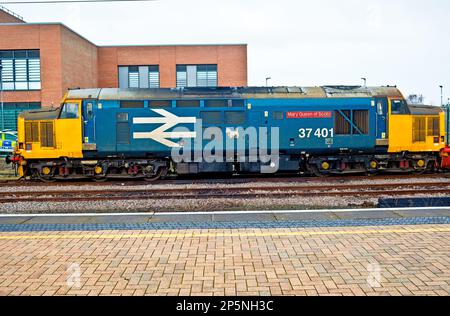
398, 107
89, 110
69, 111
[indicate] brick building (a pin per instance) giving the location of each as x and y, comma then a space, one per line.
40, 61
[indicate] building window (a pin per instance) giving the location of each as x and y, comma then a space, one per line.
153, 76
139, 76
207, 75
196, 75
12, 110
181, 76
133, 77
20, 70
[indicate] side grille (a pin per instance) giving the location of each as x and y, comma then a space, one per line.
433, 126
123, 133
47, 139
31, 132
418, 129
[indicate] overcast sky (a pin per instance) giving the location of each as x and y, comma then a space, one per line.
321, 42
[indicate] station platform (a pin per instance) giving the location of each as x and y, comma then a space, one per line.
326, 252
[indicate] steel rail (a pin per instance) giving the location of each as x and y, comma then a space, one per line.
234, 193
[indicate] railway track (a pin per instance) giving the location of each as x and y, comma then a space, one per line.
276, 191
221, 180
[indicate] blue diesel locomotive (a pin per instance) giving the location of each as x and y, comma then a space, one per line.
147, 133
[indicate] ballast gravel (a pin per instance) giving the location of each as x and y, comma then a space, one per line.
212, 204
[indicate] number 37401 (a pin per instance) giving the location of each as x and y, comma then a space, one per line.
318, 132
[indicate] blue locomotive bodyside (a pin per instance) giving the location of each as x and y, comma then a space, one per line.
304, 125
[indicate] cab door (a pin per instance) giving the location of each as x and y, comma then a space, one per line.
89, 125
381, 105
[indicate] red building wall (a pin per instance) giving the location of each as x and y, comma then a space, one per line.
70, 61
6, 17
231, 62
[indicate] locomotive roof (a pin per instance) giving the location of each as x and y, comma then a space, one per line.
40, 114
421, 109
235, 92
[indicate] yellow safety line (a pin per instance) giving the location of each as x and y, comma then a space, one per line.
226, 234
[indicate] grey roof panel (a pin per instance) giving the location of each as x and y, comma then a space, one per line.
235, 92
41, 114
420, 109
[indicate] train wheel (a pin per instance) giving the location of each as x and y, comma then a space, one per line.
151, 176
318, 173
45, 174
99, 179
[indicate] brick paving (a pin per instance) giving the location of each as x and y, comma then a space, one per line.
394, 260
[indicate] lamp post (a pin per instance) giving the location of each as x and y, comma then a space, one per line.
1, 96
267, 79
442, 102
365, 81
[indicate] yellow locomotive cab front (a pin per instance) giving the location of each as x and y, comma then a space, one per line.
49, 134
418, 129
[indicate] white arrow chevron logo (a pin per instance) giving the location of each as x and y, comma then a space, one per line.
160, 135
